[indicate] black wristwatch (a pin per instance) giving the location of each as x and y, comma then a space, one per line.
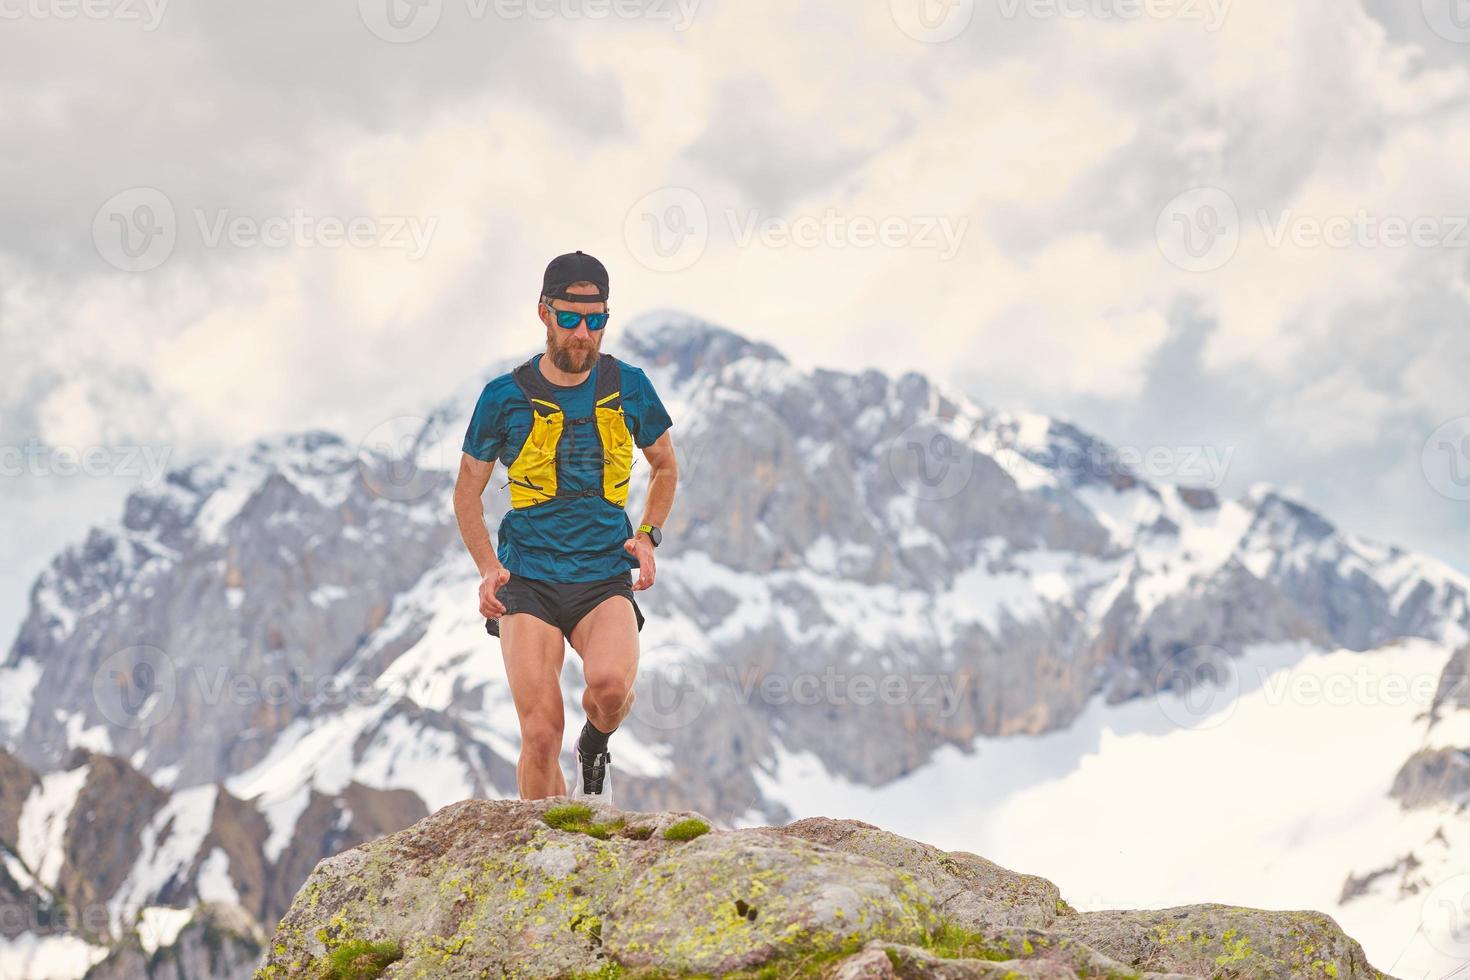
653, 532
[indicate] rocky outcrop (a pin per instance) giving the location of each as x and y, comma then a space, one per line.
125, 846
557, 888
1433, 776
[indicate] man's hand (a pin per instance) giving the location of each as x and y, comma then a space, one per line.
641, 547
490, 606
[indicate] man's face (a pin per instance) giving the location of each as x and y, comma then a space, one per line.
573, 351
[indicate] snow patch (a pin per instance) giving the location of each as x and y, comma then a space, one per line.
159, 927
214, 883
17, 690
41, 833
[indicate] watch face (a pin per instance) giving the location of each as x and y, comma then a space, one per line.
656, 535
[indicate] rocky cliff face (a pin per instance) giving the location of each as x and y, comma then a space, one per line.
97, 856
526, 889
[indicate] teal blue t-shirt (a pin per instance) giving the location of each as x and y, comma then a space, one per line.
573, 539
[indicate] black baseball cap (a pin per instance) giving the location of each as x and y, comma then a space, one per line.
573, 267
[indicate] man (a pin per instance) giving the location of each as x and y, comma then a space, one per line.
564, 423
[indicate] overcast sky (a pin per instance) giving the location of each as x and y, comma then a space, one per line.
1178, 223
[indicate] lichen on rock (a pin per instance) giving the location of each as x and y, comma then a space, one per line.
495, 888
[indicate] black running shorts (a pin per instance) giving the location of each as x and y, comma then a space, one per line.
562, 604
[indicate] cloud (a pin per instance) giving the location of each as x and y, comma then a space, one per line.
1022, 166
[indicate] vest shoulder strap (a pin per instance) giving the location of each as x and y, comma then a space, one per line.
609, 383
542, 395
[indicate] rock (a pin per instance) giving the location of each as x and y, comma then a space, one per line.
492, 888
972, 891
1431, 777
1208, 939
734, 900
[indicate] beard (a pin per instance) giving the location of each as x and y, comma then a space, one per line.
571, 357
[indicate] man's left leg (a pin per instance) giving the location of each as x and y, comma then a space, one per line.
606, 639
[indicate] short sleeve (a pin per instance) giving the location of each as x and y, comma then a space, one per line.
485, 437
652, 418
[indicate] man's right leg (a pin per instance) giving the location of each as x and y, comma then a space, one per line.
533, 650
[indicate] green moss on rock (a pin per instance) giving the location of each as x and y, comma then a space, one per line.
686, 829
360, 960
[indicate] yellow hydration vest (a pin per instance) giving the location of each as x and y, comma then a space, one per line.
536, 474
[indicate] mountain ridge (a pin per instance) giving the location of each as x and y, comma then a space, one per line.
292, 620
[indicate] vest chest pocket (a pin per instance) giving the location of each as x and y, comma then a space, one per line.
617, 453
532, 474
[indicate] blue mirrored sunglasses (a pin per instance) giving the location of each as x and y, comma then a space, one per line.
569, 320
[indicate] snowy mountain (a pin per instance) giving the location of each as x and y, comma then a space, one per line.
868, 584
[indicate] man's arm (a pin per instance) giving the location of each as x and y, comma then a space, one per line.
469, 512
661, 482
660, 456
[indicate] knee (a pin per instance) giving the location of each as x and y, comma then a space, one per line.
608, 690
541, 738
